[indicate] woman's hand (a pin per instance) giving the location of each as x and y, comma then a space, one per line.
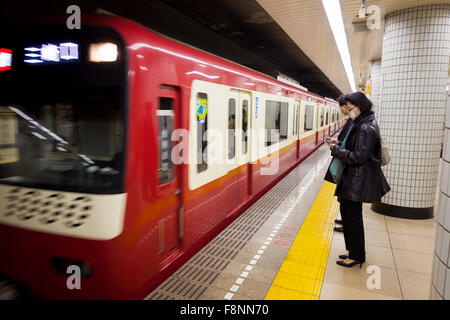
331, 142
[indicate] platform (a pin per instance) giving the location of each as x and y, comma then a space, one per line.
284, 247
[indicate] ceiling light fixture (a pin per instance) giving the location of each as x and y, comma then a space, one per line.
334, 15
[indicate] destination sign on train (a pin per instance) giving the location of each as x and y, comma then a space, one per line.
51, 53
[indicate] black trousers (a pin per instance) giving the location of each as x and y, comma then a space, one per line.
352, 222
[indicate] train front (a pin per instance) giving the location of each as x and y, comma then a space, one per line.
62, 150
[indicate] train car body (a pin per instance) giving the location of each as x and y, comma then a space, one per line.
86, 177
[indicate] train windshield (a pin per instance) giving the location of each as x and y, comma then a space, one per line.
72, 140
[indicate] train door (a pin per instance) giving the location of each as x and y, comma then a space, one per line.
243, 116
170, 226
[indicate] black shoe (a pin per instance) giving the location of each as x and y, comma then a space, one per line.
339, 229
343, 256
338, 221
349, 265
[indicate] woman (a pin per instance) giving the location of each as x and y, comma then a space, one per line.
328, 177
357, 174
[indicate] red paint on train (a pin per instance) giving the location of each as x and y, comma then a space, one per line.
131, 265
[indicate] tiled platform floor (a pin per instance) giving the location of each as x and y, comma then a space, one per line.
403, 251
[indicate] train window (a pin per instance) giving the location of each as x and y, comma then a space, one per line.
332, 116
293, 121
244, 125
231, 128
276, 121
202, 127
309, 118
284, 120
71, 141
326, 117
321, 117
166, 124
295, 130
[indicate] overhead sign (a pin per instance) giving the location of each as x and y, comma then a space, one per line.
5, 59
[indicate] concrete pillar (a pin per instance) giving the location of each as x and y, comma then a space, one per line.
415, 61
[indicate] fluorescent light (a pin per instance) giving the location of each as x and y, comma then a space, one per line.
334, 15
85, 158
37, 125
40, 136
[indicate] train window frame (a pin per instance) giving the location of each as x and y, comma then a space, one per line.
293, 119
202, 166
233, 132
167, 111
305, 129
281, 111
296, 117
321, 117
245, 122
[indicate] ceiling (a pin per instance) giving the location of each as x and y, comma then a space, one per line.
238, 30
291, 37
306, 23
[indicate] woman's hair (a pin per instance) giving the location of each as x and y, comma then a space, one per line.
341, 100
360, 100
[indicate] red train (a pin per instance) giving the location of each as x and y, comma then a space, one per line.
86, 176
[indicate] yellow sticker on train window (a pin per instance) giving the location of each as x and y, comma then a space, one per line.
202, 109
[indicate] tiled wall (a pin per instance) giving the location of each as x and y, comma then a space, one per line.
415, 57
375, 74
440, 288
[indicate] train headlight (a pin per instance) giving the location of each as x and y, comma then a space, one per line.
103, 52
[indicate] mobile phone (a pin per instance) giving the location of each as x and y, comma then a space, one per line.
328, 141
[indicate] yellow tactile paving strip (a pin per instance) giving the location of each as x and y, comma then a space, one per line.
301, 275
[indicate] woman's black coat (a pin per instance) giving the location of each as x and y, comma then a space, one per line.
362, 179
